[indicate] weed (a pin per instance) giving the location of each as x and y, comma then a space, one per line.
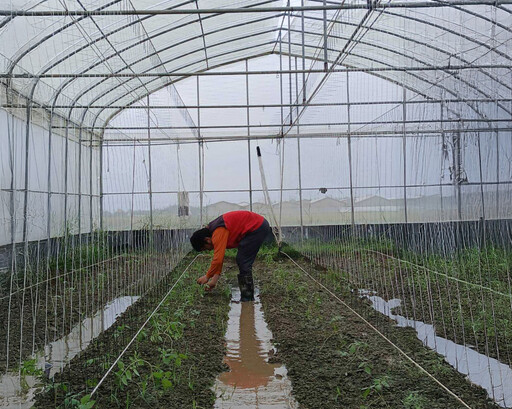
414, 400
29, 368
376, 386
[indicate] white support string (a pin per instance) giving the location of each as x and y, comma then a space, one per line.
142, 327
402, 352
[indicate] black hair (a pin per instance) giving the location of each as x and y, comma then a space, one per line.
198, 238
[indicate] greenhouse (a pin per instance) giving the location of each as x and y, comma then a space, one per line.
374, 136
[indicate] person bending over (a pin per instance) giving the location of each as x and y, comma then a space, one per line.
239, 229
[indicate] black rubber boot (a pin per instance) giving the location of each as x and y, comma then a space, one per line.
246, 285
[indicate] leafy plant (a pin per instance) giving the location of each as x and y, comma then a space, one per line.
414, 400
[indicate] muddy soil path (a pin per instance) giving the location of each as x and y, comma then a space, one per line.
251, 381
52, 306
336, 361
172, 364
459, 312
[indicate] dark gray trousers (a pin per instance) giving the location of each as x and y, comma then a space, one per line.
248, 248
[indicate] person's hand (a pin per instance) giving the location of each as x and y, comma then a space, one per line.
202, 280
213, 282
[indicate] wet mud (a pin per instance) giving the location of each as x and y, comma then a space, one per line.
174, 361
480, 369
335, 360
251, 381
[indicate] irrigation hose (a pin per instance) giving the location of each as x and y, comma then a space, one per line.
381, 334
142, 327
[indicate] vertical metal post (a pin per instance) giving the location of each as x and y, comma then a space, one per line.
404, 149
497, 170
101, 183
281, 79
296, 94
79, 221
457, 171
12, 186
200, 153
91, 196
248, 132
12, 211
290, 68
304, 93
456, 179
300, 191
133, 190
150, 190
326, 64
27, 170
48, 223
66, 153
303, 58
25, 215
482, 217
298, 154
349, 149
80, 187
441, 117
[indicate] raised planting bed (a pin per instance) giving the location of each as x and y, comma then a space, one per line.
467, 296
335, 360
172, 363
44, 303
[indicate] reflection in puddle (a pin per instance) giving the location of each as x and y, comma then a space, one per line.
58, 353
252, 382
492, 375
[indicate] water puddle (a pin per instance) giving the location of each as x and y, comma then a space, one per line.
492, 375
16, 392
252, 381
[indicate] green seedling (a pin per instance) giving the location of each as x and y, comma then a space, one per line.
414, 400
366, 367
377, 386
29, 368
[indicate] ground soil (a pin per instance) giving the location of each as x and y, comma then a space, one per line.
335, 360
196, 333
51, 307
459, 312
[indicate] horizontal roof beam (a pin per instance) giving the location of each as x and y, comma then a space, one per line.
446, 68
295, 189
277, 125
434, 133
228, 10
243, 106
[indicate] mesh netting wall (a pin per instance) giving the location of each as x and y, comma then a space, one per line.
386, 143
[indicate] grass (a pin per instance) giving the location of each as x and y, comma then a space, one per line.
333, 358
467, 296
173, 361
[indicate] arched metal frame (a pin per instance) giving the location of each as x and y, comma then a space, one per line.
199, 20
152, 84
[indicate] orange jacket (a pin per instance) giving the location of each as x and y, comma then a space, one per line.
228, 231
219, 241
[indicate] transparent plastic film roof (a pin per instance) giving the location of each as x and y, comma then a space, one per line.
469, 39
375, 136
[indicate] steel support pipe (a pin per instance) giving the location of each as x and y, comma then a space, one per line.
227, 10
447, 68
